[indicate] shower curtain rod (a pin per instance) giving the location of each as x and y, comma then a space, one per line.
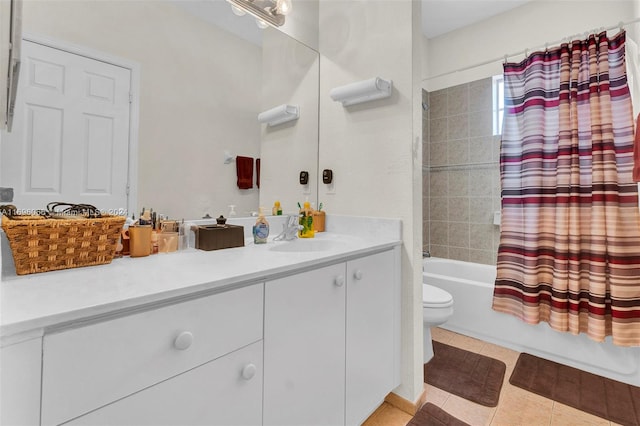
525, 52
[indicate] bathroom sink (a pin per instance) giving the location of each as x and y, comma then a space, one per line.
304, 245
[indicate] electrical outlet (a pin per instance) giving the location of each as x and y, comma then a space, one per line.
497, 217
331, 188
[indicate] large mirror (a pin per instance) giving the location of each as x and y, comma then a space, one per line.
197, 85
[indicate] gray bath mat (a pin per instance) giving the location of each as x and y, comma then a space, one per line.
469, 375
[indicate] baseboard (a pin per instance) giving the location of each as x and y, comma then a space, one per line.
404, 404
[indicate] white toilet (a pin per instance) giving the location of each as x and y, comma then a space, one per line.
437, 308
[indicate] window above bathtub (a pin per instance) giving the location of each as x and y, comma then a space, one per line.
498, 103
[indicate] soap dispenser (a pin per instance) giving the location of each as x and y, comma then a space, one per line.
277, 210
260, 229
306, 221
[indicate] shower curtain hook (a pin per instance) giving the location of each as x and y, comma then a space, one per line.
506, 58
621, 25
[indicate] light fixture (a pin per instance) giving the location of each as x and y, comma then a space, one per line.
268, 11
237, 11
280, 114
362, 91
283, 7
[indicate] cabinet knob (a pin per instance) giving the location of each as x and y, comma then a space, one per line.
183, 341
249, 371
339, 281
358, 274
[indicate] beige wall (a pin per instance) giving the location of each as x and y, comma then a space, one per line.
526, 27
194, 103
370, 147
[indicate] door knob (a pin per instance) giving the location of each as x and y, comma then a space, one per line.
339, 281
358, 274
183, 341
249, 371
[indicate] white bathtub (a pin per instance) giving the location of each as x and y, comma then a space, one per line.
471, 285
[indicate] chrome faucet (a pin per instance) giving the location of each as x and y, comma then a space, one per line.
289, 229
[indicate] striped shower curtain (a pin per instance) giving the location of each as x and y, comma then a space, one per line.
569, 248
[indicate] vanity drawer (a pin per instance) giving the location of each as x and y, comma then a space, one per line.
224, 392
88, 367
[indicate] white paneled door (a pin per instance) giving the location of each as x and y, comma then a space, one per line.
70, 138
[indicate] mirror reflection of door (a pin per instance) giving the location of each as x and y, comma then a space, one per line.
70, 139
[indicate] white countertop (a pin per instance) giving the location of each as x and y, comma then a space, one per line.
35, 302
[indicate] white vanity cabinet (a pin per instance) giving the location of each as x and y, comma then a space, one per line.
180, 346
332, 342
248, 337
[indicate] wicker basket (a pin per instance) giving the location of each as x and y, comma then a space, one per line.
41, 244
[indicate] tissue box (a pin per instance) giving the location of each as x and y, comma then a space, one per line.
216, 237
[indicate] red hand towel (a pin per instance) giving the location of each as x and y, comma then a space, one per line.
636, 152
258, 172
244, 170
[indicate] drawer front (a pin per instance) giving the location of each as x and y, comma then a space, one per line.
91, 366
224, 392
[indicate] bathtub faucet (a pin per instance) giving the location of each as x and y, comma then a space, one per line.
426, 254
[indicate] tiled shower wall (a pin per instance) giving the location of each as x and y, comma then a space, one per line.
461, 176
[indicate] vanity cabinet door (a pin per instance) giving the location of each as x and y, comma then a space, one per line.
373, 306
304, 338
224, 392
20, 383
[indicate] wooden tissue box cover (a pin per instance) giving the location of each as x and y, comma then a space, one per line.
216, 237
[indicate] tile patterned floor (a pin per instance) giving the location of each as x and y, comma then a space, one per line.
516, 406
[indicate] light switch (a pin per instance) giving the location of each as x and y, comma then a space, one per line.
304, 178
6, 195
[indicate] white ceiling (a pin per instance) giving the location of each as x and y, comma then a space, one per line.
438, 16
441, 16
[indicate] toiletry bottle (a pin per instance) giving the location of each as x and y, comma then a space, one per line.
277, 210
306, 220
260, 229
318, 219
183, 238
154, 241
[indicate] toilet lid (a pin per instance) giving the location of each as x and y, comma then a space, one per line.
435, 297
